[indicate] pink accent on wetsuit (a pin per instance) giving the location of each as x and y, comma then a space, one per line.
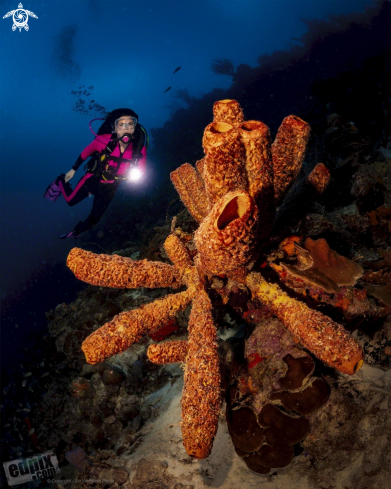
98, 146
69, 197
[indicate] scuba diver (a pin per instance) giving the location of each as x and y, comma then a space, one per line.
118, 153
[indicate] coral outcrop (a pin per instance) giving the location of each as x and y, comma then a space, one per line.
233, 194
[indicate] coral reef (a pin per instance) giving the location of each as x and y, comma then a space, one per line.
233, 194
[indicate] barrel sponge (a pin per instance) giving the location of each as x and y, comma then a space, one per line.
168, 352
259, 167
227, 111
225, 239
201, 398
224, 162
121, 272
326, 339
288, 150
128, 327
191, 189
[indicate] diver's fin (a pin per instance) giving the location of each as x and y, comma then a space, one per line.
53, 191
72, 234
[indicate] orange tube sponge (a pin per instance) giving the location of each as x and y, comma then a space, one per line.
228, 111
177, 252
191, 189
323, 337
225, 238
288, 152
200, 167
128, 327
224, 162
319, 178
168, 352
121, 272
259, 166
201, 392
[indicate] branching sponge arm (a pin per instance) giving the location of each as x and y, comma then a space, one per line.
191, 189
326, 339
201, 391
121, 272
128, 327
168, 352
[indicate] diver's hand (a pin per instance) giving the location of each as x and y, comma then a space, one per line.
69, 175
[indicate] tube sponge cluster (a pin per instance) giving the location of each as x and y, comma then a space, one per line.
239, 156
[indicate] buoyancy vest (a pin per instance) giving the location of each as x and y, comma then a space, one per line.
99, 162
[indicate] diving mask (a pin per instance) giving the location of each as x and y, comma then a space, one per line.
121, 124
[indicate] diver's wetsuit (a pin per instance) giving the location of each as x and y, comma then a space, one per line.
94, 184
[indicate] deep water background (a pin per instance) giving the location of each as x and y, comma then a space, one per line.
80, 58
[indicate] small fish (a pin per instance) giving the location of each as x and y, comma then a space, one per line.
7, 425
31, 431
24, 383
177, 69
167, 89
27, 374
20, 436
42, 364
45, 374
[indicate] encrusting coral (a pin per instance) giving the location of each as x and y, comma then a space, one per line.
233, 194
